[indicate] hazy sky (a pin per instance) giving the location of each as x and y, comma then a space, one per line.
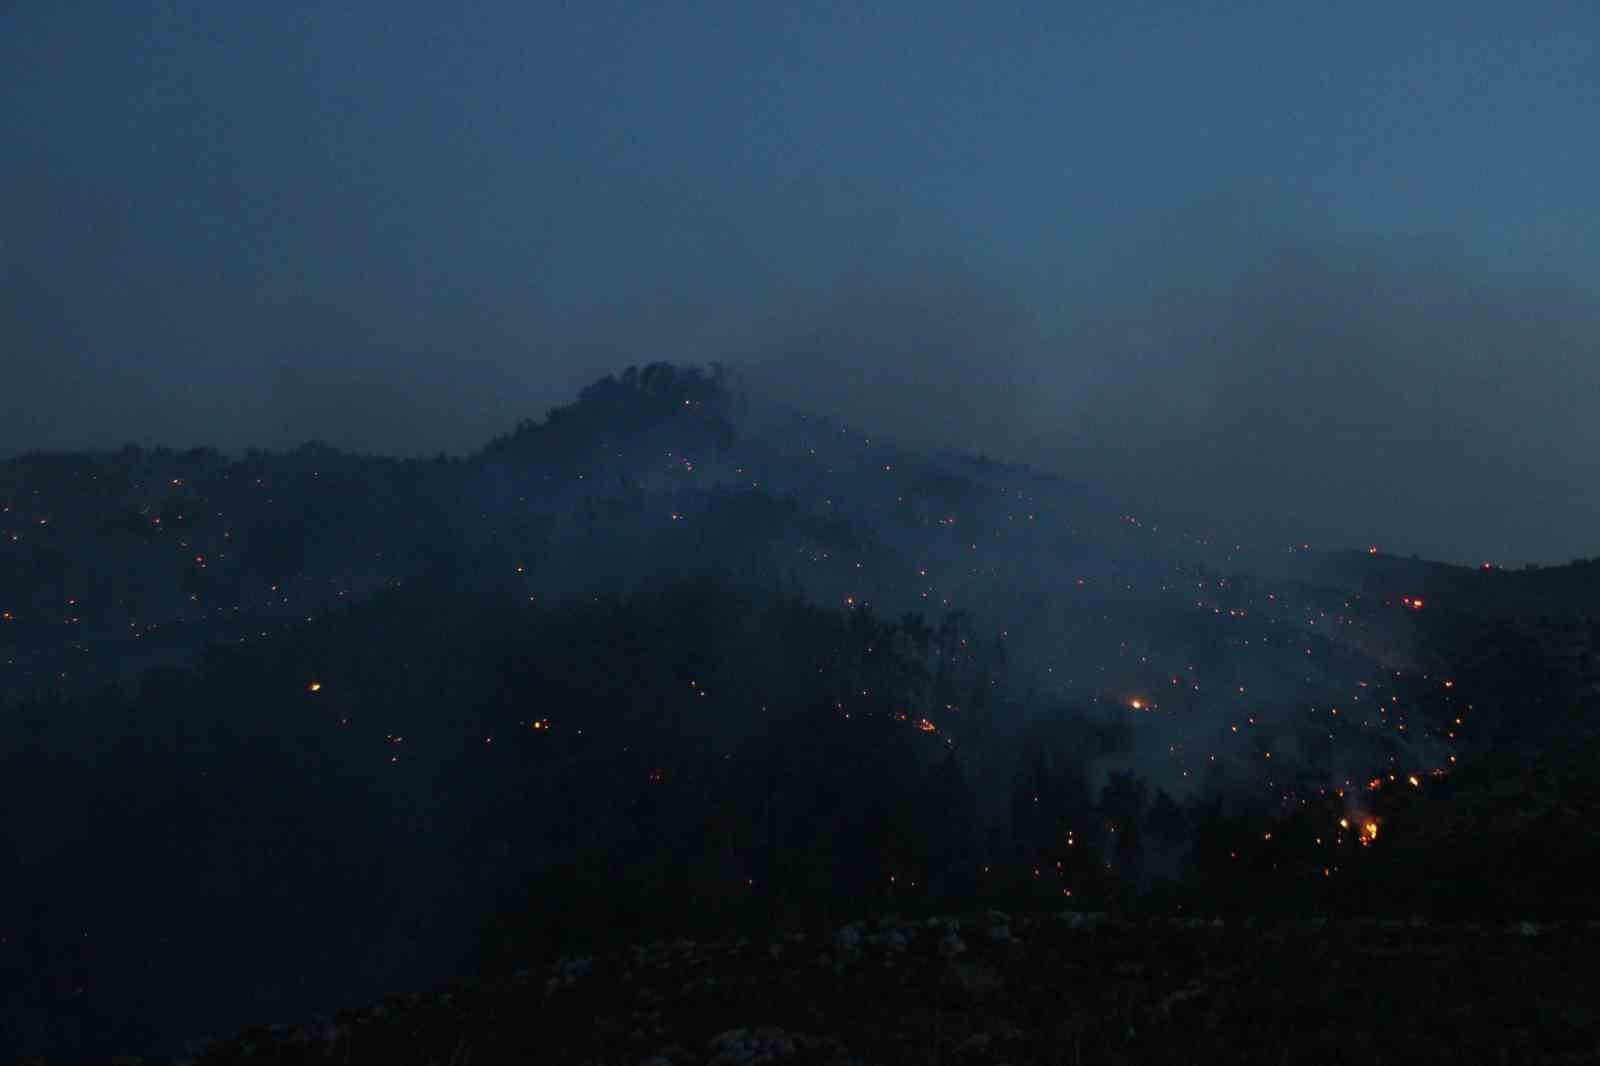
1329, 268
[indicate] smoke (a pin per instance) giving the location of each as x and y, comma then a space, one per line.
1278, 386
928, 353
1242, 366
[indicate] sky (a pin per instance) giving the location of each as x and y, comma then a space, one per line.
1295, 271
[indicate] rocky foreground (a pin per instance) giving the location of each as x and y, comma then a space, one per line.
991, 988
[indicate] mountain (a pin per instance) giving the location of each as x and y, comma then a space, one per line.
289, 731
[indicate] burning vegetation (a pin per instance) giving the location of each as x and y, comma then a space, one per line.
669, 678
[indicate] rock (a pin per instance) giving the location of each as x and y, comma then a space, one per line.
744, 1047
973, 1044
893, 940
1086, 921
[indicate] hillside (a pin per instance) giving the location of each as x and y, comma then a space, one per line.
678, 658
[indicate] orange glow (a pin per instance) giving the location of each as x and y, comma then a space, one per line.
1414, 782
1369, 832
315, 686
925, 725
1136, 704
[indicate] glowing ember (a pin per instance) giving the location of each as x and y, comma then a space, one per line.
315, 686
1136, 704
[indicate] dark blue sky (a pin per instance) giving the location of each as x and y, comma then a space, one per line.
1325, 269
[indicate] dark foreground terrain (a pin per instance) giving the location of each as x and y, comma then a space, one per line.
991, 988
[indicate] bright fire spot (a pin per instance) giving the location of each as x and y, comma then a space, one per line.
1372, 551
541, 723
1449, 684
1414, 782
1136, 704
1344, 823
925, 725
1369, 832
315, 686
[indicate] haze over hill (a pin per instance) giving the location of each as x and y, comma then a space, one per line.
1266, 382
1293, 278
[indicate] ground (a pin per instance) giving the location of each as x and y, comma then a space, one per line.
991, 988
